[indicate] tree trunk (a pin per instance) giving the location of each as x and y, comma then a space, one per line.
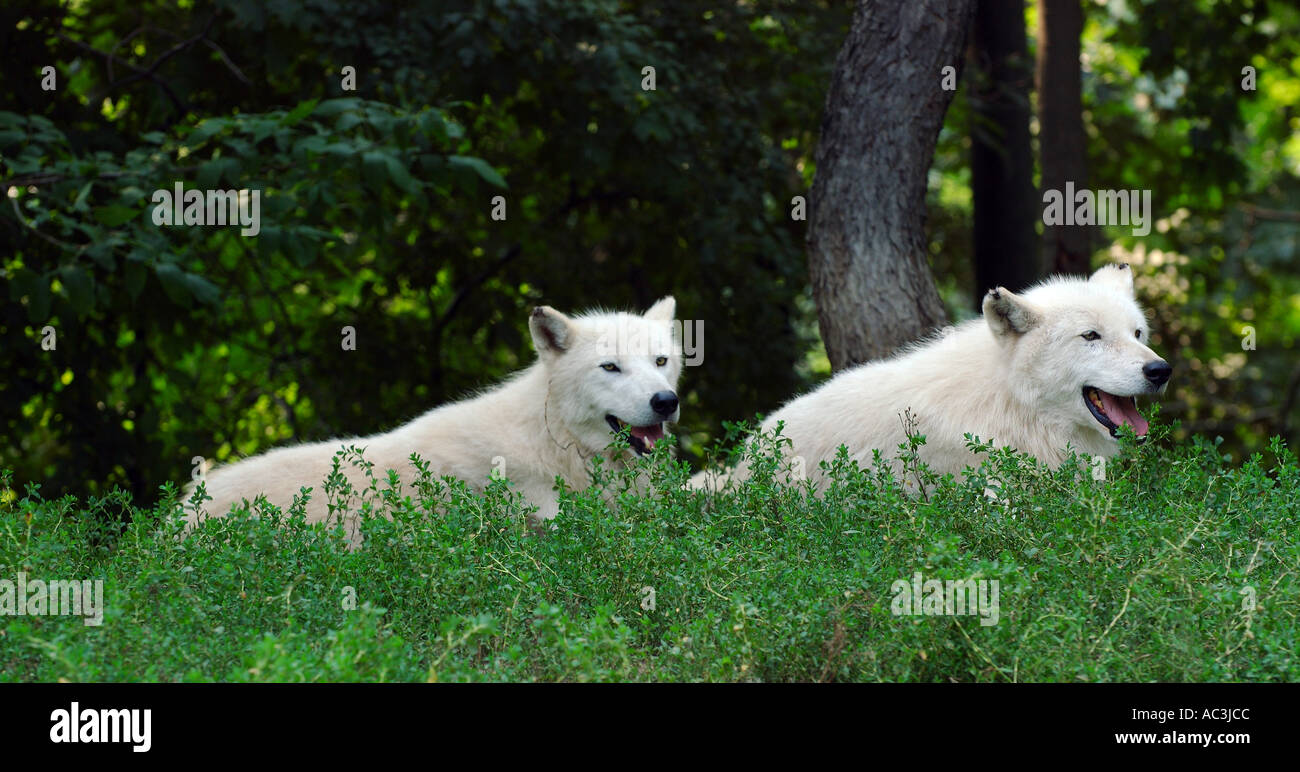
866, 232
1002, 162
1063, 149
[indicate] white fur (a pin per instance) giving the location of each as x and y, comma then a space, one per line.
1014, 377
546, 421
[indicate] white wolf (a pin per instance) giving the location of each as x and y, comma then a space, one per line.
596, 375
1057, 365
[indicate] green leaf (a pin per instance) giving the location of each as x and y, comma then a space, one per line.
173, 282
102, 253
314, 233
301, 251
212, 172
312, 144
131, 195
331, 107
204, 131
79, 203
298, 113
480, 167
203, 290
79, 286
114, 215
347, 122
374, 168
23, 282
182, 286
240, 146
399, 175
340, 149
261, 128
268, 240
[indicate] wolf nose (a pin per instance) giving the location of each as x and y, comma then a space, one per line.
663, 402
1157, 372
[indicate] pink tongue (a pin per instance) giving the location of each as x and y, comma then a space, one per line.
648, 434
1123, 412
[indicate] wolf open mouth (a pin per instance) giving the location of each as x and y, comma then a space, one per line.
641, 438
1113, 411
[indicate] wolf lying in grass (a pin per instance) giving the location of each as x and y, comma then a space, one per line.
596, 376
1057, 365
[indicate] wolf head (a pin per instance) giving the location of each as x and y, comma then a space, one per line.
610, 372
1077, 350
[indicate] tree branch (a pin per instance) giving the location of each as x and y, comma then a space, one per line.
1260, 213
140, 73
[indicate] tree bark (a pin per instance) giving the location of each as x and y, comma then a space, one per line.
866, 232
1063, 148
1002, 162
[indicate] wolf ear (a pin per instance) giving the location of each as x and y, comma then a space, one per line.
1117, 276
664, 310
1007, 313
552, 331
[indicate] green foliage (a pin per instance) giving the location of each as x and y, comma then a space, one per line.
1143, 576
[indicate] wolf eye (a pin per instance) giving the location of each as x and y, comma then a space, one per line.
1091, 335
609, 367
661, 361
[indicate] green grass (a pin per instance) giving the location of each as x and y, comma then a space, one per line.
1139, 577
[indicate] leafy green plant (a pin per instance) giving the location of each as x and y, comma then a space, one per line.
1176, 566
